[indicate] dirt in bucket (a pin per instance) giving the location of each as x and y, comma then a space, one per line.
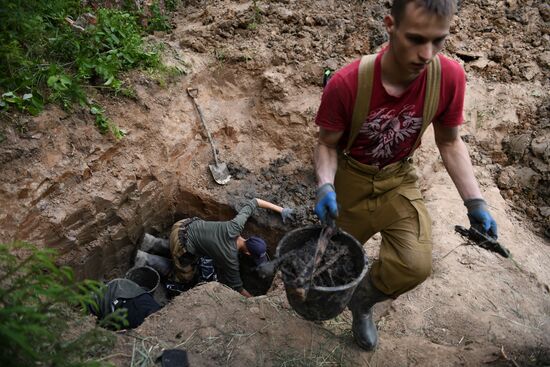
335, 269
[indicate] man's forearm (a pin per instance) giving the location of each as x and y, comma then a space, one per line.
326, 162
459, 166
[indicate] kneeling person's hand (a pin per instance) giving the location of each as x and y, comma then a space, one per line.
288, 215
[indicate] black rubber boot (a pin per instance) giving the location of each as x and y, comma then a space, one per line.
161, 264
154, 245
361, 306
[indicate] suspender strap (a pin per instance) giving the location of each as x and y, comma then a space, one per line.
362, 101
364, 93
431, 99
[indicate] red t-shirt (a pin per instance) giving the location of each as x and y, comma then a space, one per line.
393, 124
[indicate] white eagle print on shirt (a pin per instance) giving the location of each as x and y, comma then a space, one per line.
386, 129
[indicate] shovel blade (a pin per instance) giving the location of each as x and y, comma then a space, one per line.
220, 173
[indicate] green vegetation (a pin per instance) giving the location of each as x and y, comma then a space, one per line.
158, 21
256, 17
220, 55
57, 51
38, 311
103, 123
165, 73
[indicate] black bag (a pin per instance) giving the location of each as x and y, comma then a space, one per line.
123, 293
139, 308
173, 358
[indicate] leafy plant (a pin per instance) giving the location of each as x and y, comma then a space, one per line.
27, 31
38, 302
115, 45
171, 5
26, 103
158, 21
64, 90
43, 58
104, 124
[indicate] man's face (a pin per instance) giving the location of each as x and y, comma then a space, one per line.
419, 36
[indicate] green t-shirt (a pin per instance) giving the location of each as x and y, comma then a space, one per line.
217, 240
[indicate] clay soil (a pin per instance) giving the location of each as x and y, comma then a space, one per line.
258, 68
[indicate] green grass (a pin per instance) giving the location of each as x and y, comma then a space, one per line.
322, 355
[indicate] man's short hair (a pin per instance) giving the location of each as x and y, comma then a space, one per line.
445, 8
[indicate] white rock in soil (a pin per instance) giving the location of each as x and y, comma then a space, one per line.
540, 146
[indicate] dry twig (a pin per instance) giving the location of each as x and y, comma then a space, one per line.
113, 356
331, 262
515, 322
506, 357
448, 253
186, 340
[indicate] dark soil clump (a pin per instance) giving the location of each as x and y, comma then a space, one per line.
335, 269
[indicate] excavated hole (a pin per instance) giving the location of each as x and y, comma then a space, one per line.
111, 258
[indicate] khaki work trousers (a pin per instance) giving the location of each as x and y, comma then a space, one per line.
388, 201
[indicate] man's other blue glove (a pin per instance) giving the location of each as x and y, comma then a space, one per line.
326, 202
480, 217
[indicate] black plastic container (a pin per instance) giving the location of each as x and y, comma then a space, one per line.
323, 303
145, 276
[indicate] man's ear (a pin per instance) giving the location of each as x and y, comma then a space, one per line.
389, 23
243, 247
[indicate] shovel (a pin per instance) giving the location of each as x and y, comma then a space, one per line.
219, 171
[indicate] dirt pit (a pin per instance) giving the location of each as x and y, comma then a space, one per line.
169, 288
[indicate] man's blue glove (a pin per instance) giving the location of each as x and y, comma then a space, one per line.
326, 202
480, 217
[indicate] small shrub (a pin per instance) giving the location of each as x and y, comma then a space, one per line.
158, 21
28, 102
45, 59
104, 124
38, 301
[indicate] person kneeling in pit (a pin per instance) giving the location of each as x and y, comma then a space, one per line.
193, 238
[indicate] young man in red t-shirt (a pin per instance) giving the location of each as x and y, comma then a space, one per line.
373, 188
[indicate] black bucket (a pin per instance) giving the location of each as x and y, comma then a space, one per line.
144, 276
323, 303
